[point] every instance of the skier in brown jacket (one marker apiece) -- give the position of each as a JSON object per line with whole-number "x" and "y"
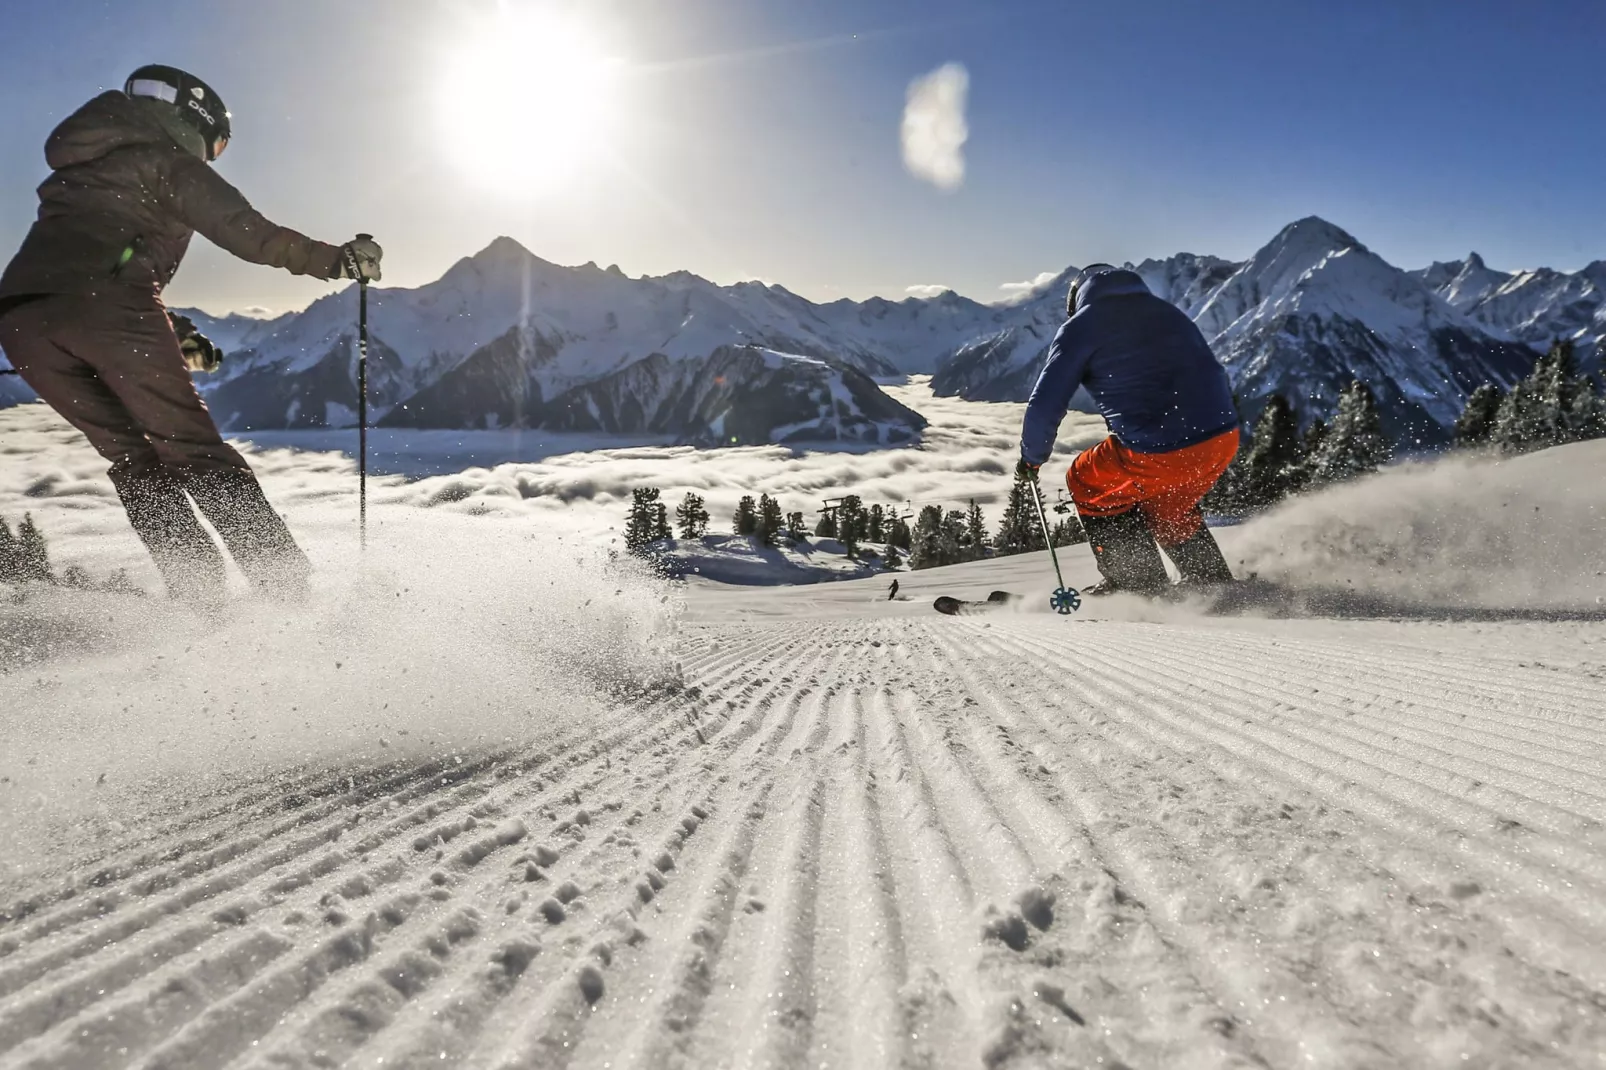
{"x": 82, "y": 321}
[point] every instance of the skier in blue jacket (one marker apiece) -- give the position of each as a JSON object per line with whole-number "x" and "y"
{"x": 1173, "y": 430}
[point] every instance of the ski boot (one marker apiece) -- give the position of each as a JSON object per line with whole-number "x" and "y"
{"x": 1199, "y": 561}
{"x": 1126, "y": 554}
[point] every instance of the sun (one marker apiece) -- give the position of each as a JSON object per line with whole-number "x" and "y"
{"x": 528, "y": 100}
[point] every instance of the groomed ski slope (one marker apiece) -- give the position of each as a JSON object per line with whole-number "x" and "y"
{"x": 850, "y": 840}
{"x": 495, "y": 799}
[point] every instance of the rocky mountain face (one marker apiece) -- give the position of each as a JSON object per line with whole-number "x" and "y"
{"x": 1306, "y": 314}
{"x": 1535, "y": 307}
{"x": 506, "y": 339}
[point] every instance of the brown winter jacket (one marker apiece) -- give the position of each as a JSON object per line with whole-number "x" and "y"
{"x": 121, "y": 182}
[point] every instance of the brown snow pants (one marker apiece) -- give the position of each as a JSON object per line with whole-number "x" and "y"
{"x": 111, "y": 365}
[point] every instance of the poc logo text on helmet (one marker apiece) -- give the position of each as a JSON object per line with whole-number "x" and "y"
{"x": 195, "y": 106}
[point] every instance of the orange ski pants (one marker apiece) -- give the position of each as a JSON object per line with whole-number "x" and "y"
{"x": 1110, "y": 479}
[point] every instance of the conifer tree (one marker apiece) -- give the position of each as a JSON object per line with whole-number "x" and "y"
{"x": 661, "y": 530}
{"x": 10, "y": 556}
{"x": 1475, "y": 425}
{"x": 1273, "y": 455}
{"x": 925, "y": 549}
{"x": 851, "y": 523}
{"x": 32, "y": 558}
{"x": 1354, "y": 444}
{"x": 641, "y": 527}
{"x": 795, "y": 526}
{"x": 1069, "y": 532}
{"x": 954, "y": 549}
{"x": 876, "y": 528}
{"x": 975, "y": 533}
{"x": 1020, "y": 530}
{"x": 770, "y": 521}
{"x": 1588, "y": 414}
{"x": 898, "y": 533}
{"x": 692, "y": 516}
{"x": 745, "y": 521}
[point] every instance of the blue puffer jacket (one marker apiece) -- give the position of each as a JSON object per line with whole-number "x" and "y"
{"x": 1146, "y": 365}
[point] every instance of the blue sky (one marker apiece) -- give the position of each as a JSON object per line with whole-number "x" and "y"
{"x": 759, "y": 138}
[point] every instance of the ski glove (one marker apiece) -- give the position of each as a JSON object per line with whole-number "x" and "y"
{"x": 359, "y": 259}
{"x": 200, "y": 354}
{"x": 1025, "y": 469}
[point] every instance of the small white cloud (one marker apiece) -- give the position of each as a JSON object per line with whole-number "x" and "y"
{"x": 257, "y": 312}
{"x": 1019, "y": 291}
{"x": 934, "y": 130}
{"x": 932, "y": 290}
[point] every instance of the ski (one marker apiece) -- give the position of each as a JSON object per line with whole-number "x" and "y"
{"x": 957, "y": 607}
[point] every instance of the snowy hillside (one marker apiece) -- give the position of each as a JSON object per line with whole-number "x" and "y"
{"x": 1306, "y": 314}
{"x": 495, "y": 798}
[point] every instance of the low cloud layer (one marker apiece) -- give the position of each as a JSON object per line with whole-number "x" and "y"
{"x": 929, "y": 290}
{"x": 934, "y": 129}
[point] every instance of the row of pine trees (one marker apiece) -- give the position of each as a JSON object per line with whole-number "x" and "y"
{"x": 939, "y": 537}
{"x": 1553, "y": 406}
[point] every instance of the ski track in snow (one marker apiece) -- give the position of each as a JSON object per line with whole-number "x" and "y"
{"x": 877, "y": 842}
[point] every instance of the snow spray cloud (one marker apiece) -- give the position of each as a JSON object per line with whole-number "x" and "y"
{"x": 934, "y": 130}
{"x": 454, "y": 636}
{"x": 1522, "y": 534}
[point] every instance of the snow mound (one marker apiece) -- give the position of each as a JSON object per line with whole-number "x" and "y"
{"x": 744, "y": 560}
{"x": 1464, "y": 531}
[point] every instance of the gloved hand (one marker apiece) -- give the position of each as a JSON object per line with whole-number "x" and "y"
{"x": 359, "y": 259}
{"x": 200, "y": 355}
{"x": 1024, "y": 469}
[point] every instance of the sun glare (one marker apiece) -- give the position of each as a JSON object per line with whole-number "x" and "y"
{"x": 528, "y": 101}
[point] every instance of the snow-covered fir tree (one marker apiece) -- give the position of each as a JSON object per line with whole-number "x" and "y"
{"x": 1354, "y": 443}
{"x": 691, "y": 516}
{"x": 10, "y": 557}
{"x": 33, "y": 559}
{"x": 1553, "y": 406}
{"x": 1273, "y": 456}
{"x": 1476, "y": 423}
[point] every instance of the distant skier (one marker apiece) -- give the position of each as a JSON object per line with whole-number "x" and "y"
{"x": 1173, "y": 430}
{"x": 892, "y": 592}
{"x": 82, "y": 321}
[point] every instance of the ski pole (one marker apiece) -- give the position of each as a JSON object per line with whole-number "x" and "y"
{"x": 1064, "y": 599}
{"x": 362, "y": 403}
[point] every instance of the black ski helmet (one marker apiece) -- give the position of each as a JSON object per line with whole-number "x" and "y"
{"x": 1081, "y": 280}
{"x": 196, "y": 101}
